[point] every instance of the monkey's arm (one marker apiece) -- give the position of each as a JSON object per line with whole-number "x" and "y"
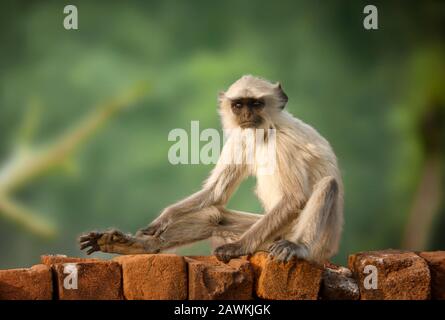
{"x": 271, "y": 223}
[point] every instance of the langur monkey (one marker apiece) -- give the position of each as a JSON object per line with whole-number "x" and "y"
{"x": 302, "y": 197}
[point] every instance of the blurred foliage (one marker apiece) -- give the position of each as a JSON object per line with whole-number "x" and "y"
{"x": 363, "y": 90}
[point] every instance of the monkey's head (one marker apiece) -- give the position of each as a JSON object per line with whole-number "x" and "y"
{"x": 251, "y": 102}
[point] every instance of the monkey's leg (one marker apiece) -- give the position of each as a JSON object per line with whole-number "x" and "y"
{"x": 234, "y": 224}
{"x": 185, "y": 229}
{"x": 211, "y": 222}
{"x": 191, "y": 227}
{"x": 309, "y": 239}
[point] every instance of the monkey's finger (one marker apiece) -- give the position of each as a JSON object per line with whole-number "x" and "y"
{"x": 276, "y": 246}
{"x": 93, "y": 249}
{"x": 84, "y": 245}
{"x": 225, "y": 258}
{"x": 290, "y": 257}
{"x": 86, "y": 239}
{"x": 283, "y": 255}
{"x": 274, "y": 249}
{"x": 220, "y": 255}
{"x": 87, "y": 244}
{"x": 83, "y": 238}
{"x": 272, "y": 256}
{"x": 88, "y": 236}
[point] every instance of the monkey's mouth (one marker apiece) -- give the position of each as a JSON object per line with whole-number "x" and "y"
{"x": 249, "y": 124}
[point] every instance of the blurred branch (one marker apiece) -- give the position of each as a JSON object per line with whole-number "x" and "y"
{"x": 428, "y": 197}
{"x": 27, "y": 163}
{"x": 25, "y": 218}
{"x": 30, "y": 122}
{"x": 426, "y": 205}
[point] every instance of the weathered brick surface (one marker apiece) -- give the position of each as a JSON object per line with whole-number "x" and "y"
{"x": 210, "y": 279}
{"x": 436, "y": 263}
{"x": 96, "y": 280}
{"x": 338, "y": 283}
{"x": 154, "y": 277}
{"x": 51, "y": 259}
{"x": 294, "y": 280}
{"x": 33, "y": 283}
{"x": 401, "y": 275}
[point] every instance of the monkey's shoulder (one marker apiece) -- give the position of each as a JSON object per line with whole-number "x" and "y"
{"x": 301, "y": 136}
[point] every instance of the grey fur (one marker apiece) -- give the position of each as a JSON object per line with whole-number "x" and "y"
{"x": 303, "y": 198}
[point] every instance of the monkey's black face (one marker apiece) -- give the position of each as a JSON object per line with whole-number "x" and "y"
{"x": 248, "y": 111}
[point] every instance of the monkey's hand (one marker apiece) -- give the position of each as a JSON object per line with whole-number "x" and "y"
{"x": 284, "y": 251}
{"x": 230, "y": 251}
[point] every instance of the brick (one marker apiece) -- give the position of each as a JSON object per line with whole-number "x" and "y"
{"x": 401, "y": 275}
{"x": 294, "y": 280}
{"x": 33, "y": 283}
{"x": 210, "y": 279}
{"x": 436, "y": 263}
{"x": 338, "y": 283}
{"x": 51, "y": 259}
{"x": 96, "y": 280}
{"x": 154, "y": 277}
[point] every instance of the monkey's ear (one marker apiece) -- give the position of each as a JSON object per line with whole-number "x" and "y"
{"x": 282, "y": 96}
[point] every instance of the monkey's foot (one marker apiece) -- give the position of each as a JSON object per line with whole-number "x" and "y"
{"x": 284, "y": 250}
{"x": 114, "y": 241}
{"x": 229, "y": 251}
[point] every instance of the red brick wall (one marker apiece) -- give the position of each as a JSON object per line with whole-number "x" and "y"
{"x": 388, "y": 274}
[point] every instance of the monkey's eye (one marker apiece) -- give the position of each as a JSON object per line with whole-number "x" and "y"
{"x": 238, "y": 105}
{"x": 257, "y": 103}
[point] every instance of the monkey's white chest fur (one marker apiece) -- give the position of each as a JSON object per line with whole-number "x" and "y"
{"x": 265, "y": 169}
{"x": 268, "y": 190}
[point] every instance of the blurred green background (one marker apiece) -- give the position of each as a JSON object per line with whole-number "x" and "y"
{"x": 377, "y": 96}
